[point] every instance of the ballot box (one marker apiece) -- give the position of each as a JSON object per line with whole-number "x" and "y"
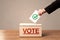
{"x": 30, "y": 30}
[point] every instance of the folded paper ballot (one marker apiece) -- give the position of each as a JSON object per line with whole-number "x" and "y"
{"x": 34, "y": 17}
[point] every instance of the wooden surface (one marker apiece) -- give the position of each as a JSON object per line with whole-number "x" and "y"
{"x": 14, "y": 35}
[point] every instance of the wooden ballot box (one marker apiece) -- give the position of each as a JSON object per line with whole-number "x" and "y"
{"x": 30, "y": 30}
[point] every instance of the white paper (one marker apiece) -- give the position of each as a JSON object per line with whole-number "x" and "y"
{"x": 34, "y": 17}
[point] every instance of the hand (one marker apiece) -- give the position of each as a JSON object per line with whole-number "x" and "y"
{"x": 41, "y": 11}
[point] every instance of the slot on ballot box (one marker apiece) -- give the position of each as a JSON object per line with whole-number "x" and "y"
{"x": 30, "y": 30}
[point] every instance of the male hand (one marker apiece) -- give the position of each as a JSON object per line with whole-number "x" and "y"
{"x": 41, "y": 11}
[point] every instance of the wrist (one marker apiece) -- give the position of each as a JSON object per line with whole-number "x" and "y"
{"x": 44, "y": 11}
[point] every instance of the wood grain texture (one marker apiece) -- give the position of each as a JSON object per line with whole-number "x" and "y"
{"x": 14, "y": 35}
{"x": 30, "y": 31}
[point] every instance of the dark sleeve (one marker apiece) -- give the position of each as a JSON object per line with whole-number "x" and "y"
{"x": 52, "y": 7}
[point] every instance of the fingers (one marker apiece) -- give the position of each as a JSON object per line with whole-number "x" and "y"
{"x": 41, "y": 12}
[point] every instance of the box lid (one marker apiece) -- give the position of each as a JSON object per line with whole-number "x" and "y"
{"x": 29, "y": 24}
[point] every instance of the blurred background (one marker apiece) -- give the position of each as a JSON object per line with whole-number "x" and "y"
{"x": 14, "y": 12}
